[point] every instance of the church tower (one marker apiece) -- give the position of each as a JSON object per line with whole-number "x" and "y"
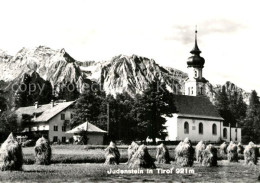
{"x": 195, "y": 84}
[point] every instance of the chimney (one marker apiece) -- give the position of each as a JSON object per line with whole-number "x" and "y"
{"x": 36, "y": 105}
{"x": 52, "y": 103}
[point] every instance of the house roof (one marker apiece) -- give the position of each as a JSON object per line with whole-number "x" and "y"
{"x": 87, "y": 126}
{"x": 196, "y": 107}
{"x": 47, "y": 111}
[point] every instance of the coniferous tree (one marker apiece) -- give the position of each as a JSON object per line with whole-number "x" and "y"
{"x": 251, "y": 124}
{"x": 8, "y": 124}
{"x": 150, "y": 108}
{"x": 32, "y": 89}
{"x": 69, "y": 92}
{"x": 88, "y": 107}
{"x": 223, "y": 105}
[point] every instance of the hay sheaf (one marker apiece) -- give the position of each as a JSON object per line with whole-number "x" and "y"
{"x": 112, "y": 154}
{"x": 142, "y": 159}
{"x": 223, "y": 149}
{"x": 200, "y": 147}
{"x": 240, "y": 148}
{"x": 184, "y": 153}
{"x": 162, "y": 154}
{"x": 131, "y": 150}
{"x": 11, "y": 156}
{"x": 251, "y": 154}
{"x": 42, "y": 151}
{"x": 210, "y": 156}
{"x": 232, "y": 152}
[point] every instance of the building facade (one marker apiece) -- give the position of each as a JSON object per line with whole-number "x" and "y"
{"x": 50, "y": 120}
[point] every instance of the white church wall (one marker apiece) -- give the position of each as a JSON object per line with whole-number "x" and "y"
{"x": 193, "y": 134}
{"x": 227, "y": 136}
{"x": 171, "y": 128}
{"x": 233, "y": 134}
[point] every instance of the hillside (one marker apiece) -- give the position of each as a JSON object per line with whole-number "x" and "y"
{"x": 122, "y": 73}
{"x": 55, "y": 66}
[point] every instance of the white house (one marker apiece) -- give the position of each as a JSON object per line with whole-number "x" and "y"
{"x": 51, "y": 120}
{"x": 196, "y": 117}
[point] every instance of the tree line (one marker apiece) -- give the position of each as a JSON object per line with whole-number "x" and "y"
{"x": 140, "y": 116}
{"x": 236, "y": 112}
{"x": 125, "y": 117}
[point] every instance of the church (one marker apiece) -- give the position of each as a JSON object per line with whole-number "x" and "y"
{"x": 196, "y": 117}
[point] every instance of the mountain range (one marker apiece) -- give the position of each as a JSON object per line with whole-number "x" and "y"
{"x": 131, "y": 74}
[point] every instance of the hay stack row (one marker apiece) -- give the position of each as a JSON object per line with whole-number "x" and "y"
{"x": 112, "y": 154}
{"x": 138, "y": 156}
{"x": 42, "y": 151}
{"x": 232, "y": 152}
{"x": 251, "y": 154}
{"x": 184, "y": 153}
{"x": 200, "y": 147}
{"x": 206, "y": 155}
{"x": 209, "y": 156}
{"x": 141, "y": 159}
{"x": 223, "y": 149}
{"x": 162, "y": 154}
{"x": 11, "y": 155}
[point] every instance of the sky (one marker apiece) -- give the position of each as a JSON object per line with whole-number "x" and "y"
{"x": 228, "y": 32}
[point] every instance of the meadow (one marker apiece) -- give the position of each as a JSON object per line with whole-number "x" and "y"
{"x": 85, "y": 163}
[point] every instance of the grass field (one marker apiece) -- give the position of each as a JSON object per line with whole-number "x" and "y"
{"x": 84, "y": 163}
{"x": 80, "y": 154}
{"x": 225, "y": 172}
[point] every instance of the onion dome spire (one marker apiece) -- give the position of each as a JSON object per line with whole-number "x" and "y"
{"x": 196, "y": 60}
{"x": 196, "y": 49}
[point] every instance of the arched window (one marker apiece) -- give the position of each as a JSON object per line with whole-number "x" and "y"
{"x": 186, "y": 127}
{"x": 201, "y": 90}
{"x": 214, "y": 129}
{"x": 200, "y": 128}
{"x": 224, "y": 133}
{"x": 196, "y": 74}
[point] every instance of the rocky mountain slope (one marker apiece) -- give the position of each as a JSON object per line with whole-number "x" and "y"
{"x": 231, "y": 88}
{"x": 130, "y": 74}
{"x": 56, "y": 66}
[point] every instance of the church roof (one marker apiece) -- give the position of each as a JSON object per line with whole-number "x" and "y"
{"x": 196, "y": 107}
